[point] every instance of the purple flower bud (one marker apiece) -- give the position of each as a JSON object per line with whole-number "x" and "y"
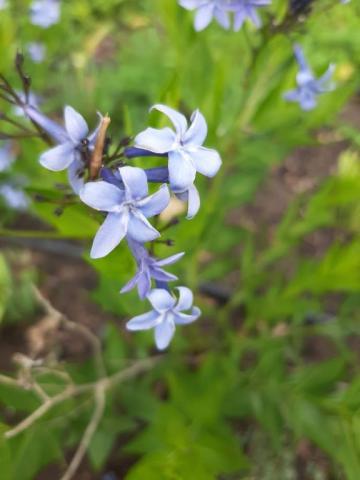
{"x": 148, "y": 268}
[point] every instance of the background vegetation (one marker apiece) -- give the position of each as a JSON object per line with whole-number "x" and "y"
{"x": 266, "y": 384}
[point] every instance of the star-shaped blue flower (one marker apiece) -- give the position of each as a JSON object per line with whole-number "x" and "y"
{"x": 183, "y": 147}
{"x": 128, "y": 209}
{"x": 148, "y": 268}
{"x": 308, "y": 86}
{"x": 166, "y": 314}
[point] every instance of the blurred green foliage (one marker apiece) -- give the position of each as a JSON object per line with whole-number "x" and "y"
{"x": 239, "y": 391}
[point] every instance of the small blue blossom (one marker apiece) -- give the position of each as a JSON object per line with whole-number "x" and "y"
{"x": 308, "y": 87}
{"x": 73, "y": 139}
{"x": 166, "y": 314}
{"x": 7, "y": 157}
{"x": 14, "y": 197}
{"x": 148, "y": 268}
{"x": 36, "y": 51}
{"x": 45, "y": 13}
{"x": 183, "y": 147}
{"x": 128, "y": 209}
{"x": 206, "y": 10}
{"x": 247, "y": 9}
{"x": 3, "y": 4}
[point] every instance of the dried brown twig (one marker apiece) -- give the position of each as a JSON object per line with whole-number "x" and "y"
{"x": 98, "y": 388}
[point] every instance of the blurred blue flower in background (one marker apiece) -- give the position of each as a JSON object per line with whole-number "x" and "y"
{"x": 184, "y": 148}
{"x": 31, "y": 99}
{"x": 308, "y": 86}
{"x": 148, "y": 268}
{"x": 206, "y": 11}
{"x": 36, "y": 51}
{"x": 45, "y": 13}
{"x": 128, "y": 209}
{"x": 3, "y": 4}
{"x": 7, "y": 156}
{"x": 247, "y": 10}
{"x": 166, "y": 314}
{"x": 14, "y": 197}
{"x": 73, "y": 139}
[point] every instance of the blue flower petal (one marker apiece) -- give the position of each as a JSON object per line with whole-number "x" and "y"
{"x": 193, "y": 202}
{"x": 161, "y": 300}
{"x": 197, "y": 131}
{"x": 109, "y": 235}
{"x": 102, "y": 196}
{"x": 144, "y": 322}
{"x": 58, "y": 158}
{"x": 135, "y": 182}
{"x": 184, "y": 319}
{"x": 76, "y": 174}
{"x": 178, "y": 119}
{"x": 182, "y": 171}
{"x": 75, "y": 125}
{"x": 169, "y": 260}
{"x": 206, "y": 160}
{"x": 155, "y": 140}
{"x": 139, "y": 228}
{"x": 164, "y": 333}
{"x": 203, "y": 17}
{"x": 156, "y": 203}
{"x": 186, "y": 299}
{"x": 222, "y": 18}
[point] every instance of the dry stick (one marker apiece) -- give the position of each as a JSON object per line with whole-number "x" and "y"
{"x": 11, "y": 382}
{"x": 76, "y": 390}
{"x": 72, "y": 326}
{"x": 88, "y": 434}
{"x": 96, "y": 158}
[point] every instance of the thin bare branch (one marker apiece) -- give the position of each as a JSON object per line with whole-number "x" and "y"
{"x": 72, "y": 326}
{"x": 100, "y": 402}
{"x": 76, "y": 390}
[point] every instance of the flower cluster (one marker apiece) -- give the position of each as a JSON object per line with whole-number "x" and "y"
{"x": 121, "y": 193}
{"x": 308, "y": 86}
{"x": 221, "y": 11}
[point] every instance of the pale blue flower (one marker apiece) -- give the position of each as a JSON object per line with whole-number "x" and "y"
{"x": 14, "y": 197}
{"x": 36, "y": 51}
{"x": 166, "y": 314}
{"x": 308, "y": 86}
{"x": 183, "y": 146}
{"x": 3, "y": 4}
{"x": 7, "y": 156}
{"x": 128, "y": 209}
{"x": 148, "y": 268}
{"x": 45, "y": 13}
{"x": 73, "y": 139}
{"x": 206, "y": 10}
{"x": 247, "y": 10}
